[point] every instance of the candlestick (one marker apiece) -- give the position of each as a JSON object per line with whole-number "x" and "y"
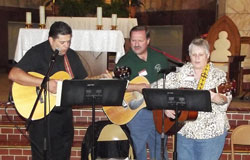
{"x": 113, "y": 27}
{"x": 28, "y": 23}
{"x": 99, "y": 27}
{"x": 28, "y": 17}
{"x": 42, "y": 14}
{"x": 42, "y": 26}
{"x": 99, "y": 15}
{"x": 114, "y": 20}
{"x": 129, "y": 8}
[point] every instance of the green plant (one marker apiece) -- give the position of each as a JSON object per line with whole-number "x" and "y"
{"x": 119, "y": 7}
{"x": 91, "y": 5}
{"x": 71, "y": 8}
{"x": 82, "y": 8}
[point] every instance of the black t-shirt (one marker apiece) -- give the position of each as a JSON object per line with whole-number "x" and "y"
{"x": 38, "y": 58}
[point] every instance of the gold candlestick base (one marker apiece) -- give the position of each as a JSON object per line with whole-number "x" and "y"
{"x": 99, "y": 27}
{"x": 41, "y": 26}
{"x": 113, "y": 27}
{"x": 28, "y": 25}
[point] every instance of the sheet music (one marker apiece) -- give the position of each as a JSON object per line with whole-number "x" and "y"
{"x": 59, "y": 93}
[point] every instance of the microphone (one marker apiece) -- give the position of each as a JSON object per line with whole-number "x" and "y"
{"x": 167, "y": 70}
{"x": 55, "y": 53}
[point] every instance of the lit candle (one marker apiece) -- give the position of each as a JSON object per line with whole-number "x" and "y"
{"x": 28, "y": 17}
{"x": 99, "y": 15}
{"x": 42, "y": 14}
{"x": 114, "y": 20}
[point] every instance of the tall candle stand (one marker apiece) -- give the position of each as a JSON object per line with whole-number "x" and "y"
{"x": 129, "y": 9}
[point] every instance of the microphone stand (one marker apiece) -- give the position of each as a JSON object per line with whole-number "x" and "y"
{"x": 43, "y": 89}
{"x": 164, "y": 72}
{"x": 162, "y": 127}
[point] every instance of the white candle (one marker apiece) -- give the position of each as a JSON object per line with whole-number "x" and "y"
{"x": 99, "y": 15}
{"x": 28, "y": 17}
{"x": 114, "y": 20}
{"x": 42, "y": 14}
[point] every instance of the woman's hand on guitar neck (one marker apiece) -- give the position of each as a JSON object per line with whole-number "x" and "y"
{"x": 170, "y": 113}
{"x": 218, "y": 98}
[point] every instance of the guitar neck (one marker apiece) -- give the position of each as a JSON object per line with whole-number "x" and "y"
{"x": 214, "y": 90}
{"x": 93, "y": 77}
{"x": 98, "y": 76}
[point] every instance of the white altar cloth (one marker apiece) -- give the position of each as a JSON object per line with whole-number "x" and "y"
{"x": 89, "y": 23}
{"x": 97, "y": 41}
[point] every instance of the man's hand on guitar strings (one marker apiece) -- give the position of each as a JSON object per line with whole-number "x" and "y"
{"x": 107, "y": 74}
{"x": 52, "y": 86}
{"x": 137, "y": 87}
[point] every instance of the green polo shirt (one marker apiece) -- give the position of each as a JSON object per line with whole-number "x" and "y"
{"x": 149, "y": 69}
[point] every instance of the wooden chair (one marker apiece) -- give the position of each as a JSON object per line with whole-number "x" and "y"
{"x": 225, "y": 24}
{"x": 240, "y": 136}
{"x": 225, "y": 45}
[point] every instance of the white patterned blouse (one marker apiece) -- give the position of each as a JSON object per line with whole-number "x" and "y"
{"x": 208, "y": 124}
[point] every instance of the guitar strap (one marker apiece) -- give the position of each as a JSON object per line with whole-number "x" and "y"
{"x": 67, "y": 66}
{"x": 203, "y": 78}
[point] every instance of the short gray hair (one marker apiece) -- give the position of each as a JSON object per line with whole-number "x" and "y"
{"x": 199, "y": 42}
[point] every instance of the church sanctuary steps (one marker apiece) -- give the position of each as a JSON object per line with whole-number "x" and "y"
{"x": 14, "y": 146}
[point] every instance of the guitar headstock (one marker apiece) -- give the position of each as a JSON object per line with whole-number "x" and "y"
{"x": 122, "y": 72}
{"x": 227, "y": 87}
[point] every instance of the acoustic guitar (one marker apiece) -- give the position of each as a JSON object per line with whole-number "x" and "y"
{"x": 133, "y": 102}
{"x": 169, "y": 123}
{"x": 24, "y": 97}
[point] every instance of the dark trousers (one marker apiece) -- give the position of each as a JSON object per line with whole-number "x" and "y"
{"x": 59, "y": 136}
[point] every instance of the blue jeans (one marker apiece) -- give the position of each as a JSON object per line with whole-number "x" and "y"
{"x": 142, "y": 131}
{"x": 200, "y": 149}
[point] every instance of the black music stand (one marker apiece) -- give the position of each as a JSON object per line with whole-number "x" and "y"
{"x": 178, "y": 100}
{"x": 93, "y": 92}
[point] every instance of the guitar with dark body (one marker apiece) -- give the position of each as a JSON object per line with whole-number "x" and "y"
{"x": 169, "y": 123}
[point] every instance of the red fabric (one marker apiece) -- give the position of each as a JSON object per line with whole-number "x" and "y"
{"x": 167, "y": 55}
{"x": 67, "y": 66}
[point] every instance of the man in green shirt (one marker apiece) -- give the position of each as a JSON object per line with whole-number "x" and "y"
{"x": 143, "y": 61}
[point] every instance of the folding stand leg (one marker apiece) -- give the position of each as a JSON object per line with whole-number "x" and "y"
{"x": 93, "y": 130}
{"x": 175, "y": 135}
{"x": 162, "y": 136}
